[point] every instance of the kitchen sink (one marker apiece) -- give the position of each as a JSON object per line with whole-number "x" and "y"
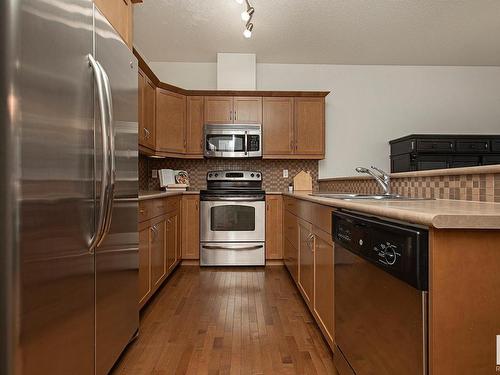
{"x": 367, "y": 196}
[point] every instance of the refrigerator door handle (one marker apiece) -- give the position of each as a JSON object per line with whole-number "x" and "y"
{"x": 101, "y": 98}
{"x": 111, "y": 153}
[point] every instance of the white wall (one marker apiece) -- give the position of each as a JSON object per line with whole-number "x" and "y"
{"x": 369, "y": 105}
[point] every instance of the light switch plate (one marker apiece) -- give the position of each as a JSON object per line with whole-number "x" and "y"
{"x": 285, "y": 173}
{"x": 154, "y": 173}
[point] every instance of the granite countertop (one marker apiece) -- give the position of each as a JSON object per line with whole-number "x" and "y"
{"x": 440, "y": 213}
{"x": 152, "y": 194}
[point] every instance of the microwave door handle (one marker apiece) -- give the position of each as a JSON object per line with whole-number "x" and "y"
{"x": 101, "y": 99}
{"x": 246, "y": 143}
{"x": 111, "y": 152}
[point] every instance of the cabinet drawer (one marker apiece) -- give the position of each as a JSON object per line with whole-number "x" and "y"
{"x": 491, "y": 159}
{"x": 291, "y": 229}
{"x": 157, "y": 207}
{"x": 290, "y": 204}
{"x": 144, "y": 210}
{"x": 172, "y": 204}
{"x": 473, "y": 146}
{"x": 437, "y": 145}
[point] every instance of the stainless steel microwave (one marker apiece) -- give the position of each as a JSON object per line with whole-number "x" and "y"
{"x": 232, "y": 140}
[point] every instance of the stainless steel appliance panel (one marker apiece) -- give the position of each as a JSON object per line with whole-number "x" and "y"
{"x": 55, "y": 139}
{"x": 117, "y": 314}
{"x": 232, "y": 254}
{"x": 232, "y": 140}
{"x": 380, "y": 321}
{"x": 238, "y": 220}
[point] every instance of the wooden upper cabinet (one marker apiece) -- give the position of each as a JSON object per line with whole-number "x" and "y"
{"x": 147, "y": 111}
{"x": 247, "y": 110}
{"x": 229, "y": 110}
{"x": 190, "y": 226}
{"x": 274, "y": 227}
{"x": 309, "y": 126}
{"x": 277, "y": 126}
{"x": 218, "y": 109}
{"x": 170, "y": 122}
{"x": 194, "y": 126}
{"x": 120, "y": 15}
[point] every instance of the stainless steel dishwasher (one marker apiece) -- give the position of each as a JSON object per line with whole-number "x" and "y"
{"x": 381, "y": 314}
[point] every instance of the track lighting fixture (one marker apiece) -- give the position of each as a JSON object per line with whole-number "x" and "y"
{"x": 247, "y": 17}
{"x": 248, "y": 31}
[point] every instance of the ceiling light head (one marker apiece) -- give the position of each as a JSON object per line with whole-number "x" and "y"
{"x": 248, "y": 31}
{"x": 247, "y": 14}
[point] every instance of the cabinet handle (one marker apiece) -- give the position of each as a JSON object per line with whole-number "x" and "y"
{"x": 235, "y": 116}
{"x": 291, "y": 145}
{"x": 231, "y": 115}
{"x": 141, "y": 211}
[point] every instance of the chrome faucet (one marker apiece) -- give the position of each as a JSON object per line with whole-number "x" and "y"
{"x": 383, "y": 178}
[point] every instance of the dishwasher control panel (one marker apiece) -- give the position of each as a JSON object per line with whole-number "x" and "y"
{"x": 399, "y": 249}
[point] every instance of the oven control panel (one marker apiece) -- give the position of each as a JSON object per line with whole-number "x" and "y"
{"x": 234, "y": 176}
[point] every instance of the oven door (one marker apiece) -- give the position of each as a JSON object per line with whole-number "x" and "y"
{"x": 380, "y": 321}
{"x": 232, "y": 221}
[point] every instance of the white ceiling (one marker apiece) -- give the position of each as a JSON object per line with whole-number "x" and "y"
{"x": 400, "y": 32}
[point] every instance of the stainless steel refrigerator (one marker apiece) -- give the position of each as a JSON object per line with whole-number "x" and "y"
{"x": 69, "y": 185}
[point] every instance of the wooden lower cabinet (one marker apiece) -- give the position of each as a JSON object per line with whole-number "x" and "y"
{"x": 308, "y": 256}
{"x": 144, "y": 262}
{"x": 306, "y": 261}
{"x": 323, "y": 282}
{"x": 190, "y": 243}
{"x": 291, "y": 259}
{"x": 274, "y": 227}
{"x": 159, "y": 243}
{"x": 158, "y": 255}
{"x": 173, "y": 244}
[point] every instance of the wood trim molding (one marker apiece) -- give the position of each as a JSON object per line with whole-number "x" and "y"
{"x": 179, "y": 90}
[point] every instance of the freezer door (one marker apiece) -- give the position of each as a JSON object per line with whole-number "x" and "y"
{"x": 55, "y": 143}
{"x": 117, "y": 308}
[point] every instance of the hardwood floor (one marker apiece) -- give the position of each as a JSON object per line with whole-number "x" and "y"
{"x": 227, "y": 321}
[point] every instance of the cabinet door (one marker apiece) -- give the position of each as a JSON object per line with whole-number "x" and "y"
{"x": 119, "y": 15}
{"x": 323, "y": 281}
{"x": 306, "y": 261}
{"x": 190, "y": 227}
{"x": 149, "y": 113}
{"x": 158, "y": 271}
{"x": 194, "y": 126}
{"x": 291, "y": 259}
{"x": 170, "y": 122}
{"x": 144, "y": 263}
{"x": 309, "y": 126}
{"x": 277, "y": 126}
{"x": 172, "y": 239}
{"x": 274, "y": 227}
{"x": 247, "y": 110}
{"x": 218, "y": 109}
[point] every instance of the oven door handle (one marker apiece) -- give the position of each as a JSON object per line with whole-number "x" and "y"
{"x": 234, "y": 199}
{"x": 232, "y": 248}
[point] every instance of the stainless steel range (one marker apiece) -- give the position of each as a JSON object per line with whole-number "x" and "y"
{"x": 232, "y": 219}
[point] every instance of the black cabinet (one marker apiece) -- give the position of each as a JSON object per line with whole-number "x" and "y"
{"x": 419, "y": 152}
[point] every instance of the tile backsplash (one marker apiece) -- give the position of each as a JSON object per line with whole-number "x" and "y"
{"x": 272, "y": 170}
{"x": 470, "y": 187}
